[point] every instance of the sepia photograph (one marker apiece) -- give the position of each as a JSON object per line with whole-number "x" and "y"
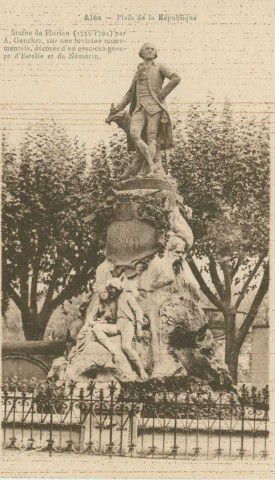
{"x": 136, "y": 179}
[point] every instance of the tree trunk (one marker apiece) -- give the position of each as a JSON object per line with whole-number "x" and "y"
{"x": 233, "y": 366}
{"x": 34, "y": 324}
{"x": 30, "y": 325}
{"x": 44, "y": 317}
{"x": 231, "y": 353}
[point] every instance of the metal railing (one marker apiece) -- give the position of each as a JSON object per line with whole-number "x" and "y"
{"x": 100, "y": 419}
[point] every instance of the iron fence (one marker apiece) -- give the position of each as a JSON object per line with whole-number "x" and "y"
{"x": 108, "y": 420}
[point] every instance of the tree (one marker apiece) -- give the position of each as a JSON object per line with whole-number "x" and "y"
{"x": 222, "y": 168}
{"x": 49, "y": 252}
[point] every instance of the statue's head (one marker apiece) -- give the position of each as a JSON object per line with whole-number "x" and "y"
{"x": 140, "y": 267}
{"x": 176, "y": 247}
{"x": 148, "y": 51}
{"x": 177, "y": 250}
{"x": 103, "y": 292}
{"x": 114, "y": 288}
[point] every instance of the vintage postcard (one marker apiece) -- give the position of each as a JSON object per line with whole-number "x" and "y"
{"x": 136, "y": 193}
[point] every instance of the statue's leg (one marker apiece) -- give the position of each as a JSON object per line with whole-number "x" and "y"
{"x": 157, "y": 161}
{"x": 153, "y": 122}
{"x": 137, "y": 125}
{"x": 104, "y": 330}
{"x": 127, "y": 331}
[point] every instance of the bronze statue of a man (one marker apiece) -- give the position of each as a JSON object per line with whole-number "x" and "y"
{"x": 149, "y": 116}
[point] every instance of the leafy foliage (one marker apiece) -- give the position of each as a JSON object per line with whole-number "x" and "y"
{"x": 222, "y": 168}
{"x": 50, "y": 187}
{"x": 48, "y": 250}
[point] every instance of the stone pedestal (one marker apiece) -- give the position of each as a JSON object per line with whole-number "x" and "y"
{"x": 147, "y": 240}
{"x": 147, "y": 184}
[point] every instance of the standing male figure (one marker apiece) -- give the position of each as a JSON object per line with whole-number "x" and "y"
{"x": 148, "y": 108}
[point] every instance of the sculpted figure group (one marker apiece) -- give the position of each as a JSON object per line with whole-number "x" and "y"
{"x": 115, "y": 312}
{"x": 180, "y": 341}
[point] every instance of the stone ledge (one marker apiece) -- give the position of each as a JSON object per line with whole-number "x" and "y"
{"x": 145, "y": 183}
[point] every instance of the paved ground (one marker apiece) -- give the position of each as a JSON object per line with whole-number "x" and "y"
{"x": 26, "y": 464}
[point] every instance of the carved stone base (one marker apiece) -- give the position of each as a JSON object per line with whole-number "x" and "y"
{"x": 147, "y": 241}
{"x": 95, "y": 362}
{"x": 146, "y": 183}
